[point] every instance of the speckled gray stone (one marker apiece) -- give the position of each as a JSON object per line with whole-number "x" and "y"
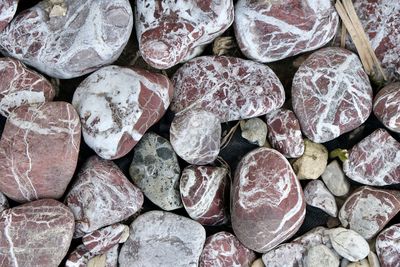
{"x": 155, "y": 170}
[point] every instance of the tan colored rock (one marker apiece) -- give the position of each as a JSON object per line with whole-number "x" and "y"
{"x": 258, "y": 263}
{"x": 373, "y": 260}
{"x": 312, "y": 163}
{"x": 362, "y": 263}
{"x": 254, "y": 130}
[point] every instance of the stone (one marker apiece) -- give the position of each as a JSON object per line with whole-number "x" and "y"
{"x": 373, "y": 260}
{"x": 224, "y": 249}
{"x": 3, "y": 202}
{"x": 117, "y": 105}
{"x": 258, "y": 263}
{"x": 315, "y": 237}
{"x": 101, "y": 195}
{"x": 195, "y": 136}
{"x": 386, "y": 106}
{"x": 388, "y": 246}
{"x": 312, "y": 164}
{"x": 368, "y": 210}
{"x": 37, "y": 233}
{"x": 375, "y": 160}
{"x": 321, "y": 256}
{"x": 349, "y": 244}
{"x": 92, "y": 34}
{"x": 171, "y": 32}
{"x": 79, "y": 257}
{"x": 333, "y": 94}
{"x": 204, "y": 194}
{"x": 267, "y": 201}
{"x": 109, "y": 259}
{"x": 254, "y": 130}
{"x": 284, "y": 133}
{"x": 288, "y": 255}
{"x": 231, "y": 88}
{"x": 361, "y": 263}
{"x": 155, "y": 170}
{"x": 7, "y": 12}
{"x": 335, "y": 180}
{"x": 39, "y": 151}
{"x": 159, "y": 238}
{"x": 317, "y": 195}
{"x": 268, "y": 31}
{"x": 20, "y": 86}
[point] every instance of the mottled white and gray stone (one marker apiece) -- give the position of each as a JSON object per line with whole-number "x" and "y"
{"x": 317, "y": 195}
{"x": 335, "y": 180}
{"x": 349, "y": 244}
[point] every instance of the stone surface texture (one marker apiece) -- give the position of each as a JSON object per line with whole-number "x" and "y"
{"x": 39, "y": 151}
{"x": 155, "y": 170}
{"x": 335, "y": 180}
{"x": 171, "y": 32}
{"x": 63, "y": 46}
{"x": 317, "y": 195}
{"x": 268, "y": 205}
{"x": 101, "y": 195}
{"x": 388, "y": 246}
{"x": 254, "y": 130}
{"x": 349, "y": 244}
{"x": 386, "y": 106}
{"x": 159, "y": 238}
{"x": 117, "y": 105}
{"x": 268, "y": 31}
{"x": 7, "y": 12}
{"x": 331, "y": 94}
{"x": 321, "y": 255}
{"x": 288, "y": 254}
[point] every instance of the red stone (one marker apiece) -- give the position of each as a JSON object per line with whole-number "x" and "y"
{"x": 331, "y": 94}
{"x": 170, "y": 32}
{"x": 231, "y": 88}
{"x": 268, "y": 205}
{"x": 387, "y": 106}
{"x": 39, "y": 151}
{"x": 38, "y": 233}
{"x": 79, "y": 257}
{"x": 224, "y": 250}
{"x": 388, "y": 246}
{"x": 7, "y": 12}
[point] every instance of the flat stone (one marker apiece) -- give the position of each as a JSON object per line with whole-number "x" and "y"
{"x": 317, "y": 195}
{"x": 7, "y": 12}
{"x": 159, "y": 238}
{"x": 155, "y": 170}
{"x": 254, "y": 130}
{"x": 386, "y": 106}
{"x": 349, "y": 244}
{"x": 388, "y": 246}
{"x": 321, "y": 256}
{"x": 335, "y": 180}
{"x": 3, "y": 202}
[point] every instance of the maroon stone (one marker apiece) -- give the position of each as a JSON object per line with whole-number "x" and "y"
{"x": 231, "y": 88}
{"x": 268, "y": 31}
{"x": 79, "y": 257}
{"x": 117, "y": 105}
{"x": 7, "y": 12}
{"x": 388, "y": 246}
{"x": 368, "y": 210}
{"x": 375, "y": 160}
{"x": 170, "y": 32}
{"x": 331, "y": 94}
{"x": 387, "y": 106}
{"x": 268, "y": 205}
{"x": 39, "y": 151}
{"x": 203, "y": 190}
{"x": 38, "y": 233}
{"x": 224, "y": 250}
{"x": 284, "y": 133}
{"x": 20, "y": 85}
{"x": 84, "y": 36}
{"x": 101, "y": 196}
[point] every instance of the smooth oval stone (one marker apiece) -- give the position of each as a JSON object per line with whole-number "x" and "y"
{"x": 268, "y": 31}
{"x": 268, "y": 205}
{"x": 335, "y": 180}
{"x": 231, "y": 88}
{"x": 20, "y": 86}
{"x": 203, "y": 192}
{"x": 368, "y": 210}
{"x": 7, "y": 12}
{"x": 101, "y": 195}
{"x": 317, "y": 195}
{"x": 159, "y": 238}
{"x": 331, "y": 94}
{"x": 38, "y": 233}
{"x": 224, "y": 249}
{"x": 387, "y": 108}
{"x": 155, "y": 170}
{"x": 86, "y": 35}
{"x": 117, "y": 105}
{"x": 388, "y": 246}
{"x": 349, "y": 244}
{"x": 39, "y": 151}
{"x": 321, "y": 256}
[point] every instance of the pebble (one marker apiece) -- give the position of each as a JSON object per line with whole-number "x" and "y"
{"x": 317, "y": 195}
{"x": 387, "y": 108}
{"x": 3, "y": 202}
{"x": 7, "y": 12}
{"x": 254, "y": 130}
{"x": 321, "y": 256}
{"x": 335, "y": 180}
{"x": 288, "y": 255}
{"x": 388, "y": 246}
{"x": 373, "y": 260}
{"x": 349, "y": 244}
{"x": 109, "y": 259}
{"x": 258, "y": 263}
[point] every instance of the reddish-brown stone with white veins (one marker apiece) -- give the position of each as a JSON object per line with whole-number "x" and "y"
{"x": 284, "y": 133}
{"x": 388, "y": 246}
{"x": 101, "y": 196}
{"x": 331, "y": 94}
{"x": 268, "y": 31}
{"x": 91, "y": 34}
{"x": 39, "y": 151}
{"x": 170, "y": 32}
{"x": 100, "y": 241}
{"x": 375, "y": 160}
{"x": 268, "y": 205}
{"x": 7, "y": 12}
{"x": 387, "y": 106}
{"x": 368, "y": 210}
{"x": 79, "y": 257}
{"x": 231, "y": 88}
{"x": 203, "y": 190}
{"x": 20, "y": 85}
{"x": 117, "y": 105}
{"x": 223, "y": 249}
{"x": 38, "y": 233}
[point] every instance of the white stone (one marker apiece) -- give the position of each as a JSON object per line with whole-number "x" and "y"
{"x": 321, "y": 256}
{"x": 362, "y": 263}
{"x": 373, "y": 260}
{"x": 317, "y": 195}
{"x": 335, "y": 179}
{"x": 254, "y": 130}
{"x": 349, "y": 244}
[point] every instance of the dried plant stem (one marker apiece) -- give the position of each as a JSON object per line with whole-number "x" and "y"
{"x": 228, "y": 137}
